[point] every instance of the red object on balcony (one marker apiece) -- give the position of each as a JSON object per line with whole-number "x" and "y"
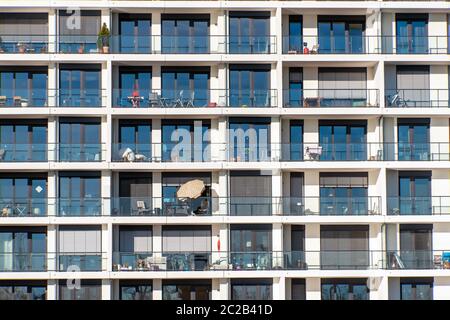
{"x": 212, "y": 104}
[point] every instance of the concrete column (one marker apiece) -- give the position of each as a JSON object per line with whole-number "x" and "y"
{"x": 52, "y": 241}
{"x": 441, "y": 288}
{"x": 156, "y": 31}
{"x": 157, "y": 240}
{"x": 106, "y": 142}
{"x": 313, "y": 291}
{"x": 279, "y": 288}
{"x": 52, "y": 30}
{"x": 52, "y": 289}
{"x": 439, "y": 86}
{"x": 107, "y": 82}
{"x": 437, "y": 29}
{"x": 312, "y": 245}
{"x": 222, "y": 192}
{"x": 277, "y": 245}
{"x": 156, "y": 78}
{"x": 275, "y": 139}
{"x": 52, "y": 84}
{"x": 156, "y": 140}
{"x": 52, "y": 194}
{"x": 312, "y": 191}
{"x": 310, "y": 30}
{"x": 106, "y": 181}
{"x": 277, "y": 192}
{"x": 106, "y": 289}
{"x": 107, "y": 247}
{"x": 157, "y": 289}
{"x": 157, "y": 190}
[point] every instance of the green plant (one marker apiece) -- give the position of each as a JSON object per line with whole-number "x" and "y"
{"x": 103, "y": 36}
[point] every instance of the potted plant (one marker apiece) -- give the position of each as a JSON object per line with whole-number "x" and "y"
{"x": 103, "y": 39}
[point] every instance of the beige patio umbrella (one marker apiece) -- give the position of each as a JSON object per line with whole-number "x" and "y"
{"x": 191, "y": 189}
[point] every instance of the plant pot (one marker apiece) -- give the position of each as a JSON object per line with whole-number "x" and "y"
{"x": 105, "y": 49}
{"x": 21, "y": 50}
{"x": 80, "y": 50}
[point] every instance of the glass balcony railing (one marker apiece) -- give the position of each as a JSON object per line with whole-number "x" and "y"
{"x": 332, "y": 206}
{"x": 251, "y": 206}
{"x": 76, "y": 152}
{"x": 23, "y": 207}
{"x": 364, "y": 44}
{"x": 352, "y": 259}
{"x": 331, "y": 98}
{"x": 252, "y": 260}
{"x": 78, "y": 207}
{"x": 132, "y": 261}
{"x": 264, "y": 44}
{"x": 417, "y": 259}
{"x": 81, "y": 261}
{"x": 196, "y": 98}
{"x": 18, "y": 152}
{"x": 354, "y": 151}
{"x": 417, "y": 98}
{"x": 76, "y": 98}
{"x": 79, "y": 44}
{"x": 415, "y": 44}
{"x": 416, "y": 151}
{"x": 420, "y": 205}
{"x": 187, "y": 261}
{"x": 167, "y": 152}
{"x": 350, "y": 44}
{"x": 23, "y": 98}
{"x": 134, "y": 44}
{"x": 17, "y": 43}
{"x": 23, "y": 261}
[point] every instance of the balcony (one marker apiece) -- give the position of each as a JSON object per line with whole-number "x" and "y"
{"x": 197, "y": 98}
{"x": 415, "y": 44}
{"x": 357, "y": 44}
{"x": 78, "y": 44}
{"x": 168, "y": 207}
{"x": 417, "y": 98}
{"x": 24, "y": 43}
{"x": 417, "y": 259}
{"x": 76, "y": 98}
{"x": 79, "y": 207}
{"x": 23, "y": 262}
{"x": 252, "y": 260}
{"x": 23, "y": 98}
{"x": 251, "y": 44}
{"x": 332, "y": 206}
{"x": 132, "y": 261}
{"x": 18, "y": 152}
{"x": 369, "y": 151}
{"x": 331, "y": 98}
{"x": 85, "y": 261}
{"x": 416, "y": 151}
{"x": 23, "y": 207}
{"x": 421, "y": 205}
{"x": 165, "y": 152}
{"x": 80, "y": 152}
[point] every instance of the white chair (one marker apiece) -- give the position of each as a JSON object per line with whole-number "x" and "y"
{"x": 313, "y": 153}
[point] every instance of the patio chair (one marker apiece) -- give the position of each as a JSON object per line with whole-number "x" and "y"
{"x": 154, "y": 100}
{"x": 315, "y": 49}
{"x": 178, "y": 103}
{"x": 313, "y": 153}
{"x": 17, "y": 101}
{"x": 2, "y": 101}
{"x": 142, "y": 209}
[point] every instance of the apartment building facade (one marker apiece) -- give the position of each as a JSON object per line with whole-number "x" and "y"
{"x": 314, "y": 137}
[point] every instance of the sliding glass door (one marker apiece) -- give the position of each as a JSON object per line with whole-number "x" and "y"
{"x": 135, "y": 33}
{"x": 341, "y": 34}
{"x": 23, "y": 87}
{"x": 412, "y": 33}
{"x": 79, "y": 140}
{"x": 249, "y": 32}
{"x": 185, "y": 33}
{"x": 79, "y": 195}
